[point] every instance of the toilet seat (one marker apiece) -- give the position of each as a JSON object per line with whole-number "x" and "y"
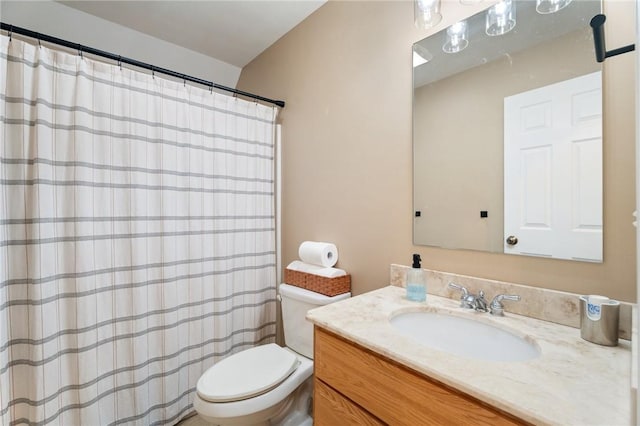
{"x": 247, "y": 374}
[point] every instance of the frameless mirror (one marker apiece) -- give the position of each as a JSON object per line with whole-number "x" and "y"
{"x": 507, "y": 133}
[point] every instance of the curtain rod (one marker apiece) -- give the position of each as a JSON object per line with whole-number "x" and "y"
{"x": 121, "y": 59}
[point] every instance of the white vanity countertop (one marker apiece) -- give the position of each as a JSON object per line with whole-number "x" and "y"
{"x": 573, "y": 382}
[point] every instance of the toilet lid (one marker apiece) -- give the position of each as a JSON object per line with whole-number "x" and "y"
{"x": 246, "y": 374}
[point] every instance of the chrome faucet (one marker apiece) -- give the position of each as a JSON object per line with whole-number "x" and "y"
{"x": 471, "y": 301}
{"x": 496, "y": 307}
{"x": 480, "y": 303}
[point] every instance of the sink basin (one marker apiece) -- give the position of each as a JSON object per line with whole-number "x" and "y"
{"x": 465, "y": 337}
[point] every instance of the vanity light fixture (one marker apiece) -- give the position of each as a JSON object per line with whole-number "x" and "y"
{"x": 456, "y": 37}
{"x": 426, "y": 13}
{"x": 501, "y": 18}
{"x": 551, "y": 6}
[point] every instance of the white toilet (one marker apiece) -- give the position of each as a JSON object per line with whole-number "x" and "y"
{"x": 268, "y": 384}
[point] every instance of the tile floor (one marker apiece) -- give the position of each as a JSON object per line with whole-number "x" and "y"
{"x": 194, "y": 420}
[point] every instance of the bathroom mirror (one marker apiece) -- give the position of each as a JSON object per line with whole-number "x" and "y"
{"x": 507, "y": 135}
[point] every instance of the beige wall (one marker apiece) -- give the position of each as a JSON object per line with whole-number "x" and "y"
{"x": 458, "y": 134}
{"x": 345, "y": 73}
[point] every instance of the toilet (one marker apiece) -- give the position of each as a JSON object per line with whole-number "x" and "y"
{"x": 267, "y": 384}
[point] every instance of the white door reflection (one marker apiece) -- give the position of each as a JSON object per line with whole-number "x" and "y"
{"x": 553, "y": 170}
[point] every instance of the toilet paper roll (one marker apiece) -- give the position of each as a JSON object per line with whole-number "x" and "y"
{"x": 318, "y": 253}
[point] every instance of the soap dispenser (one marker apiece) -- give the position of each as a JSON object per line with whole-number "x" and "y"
{"x": 416, "y": 287}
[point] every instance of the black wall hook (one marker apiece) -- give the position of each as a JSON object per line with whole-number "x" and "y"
{"x": 597, "y": 24}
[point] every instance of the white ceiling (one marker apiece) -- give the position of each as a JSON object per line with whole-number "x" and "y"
{"x": 234, "y": 31}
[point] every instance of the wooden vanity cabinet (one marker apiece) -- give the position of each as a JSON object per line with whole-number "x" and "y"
{"x": 355, "y": 386}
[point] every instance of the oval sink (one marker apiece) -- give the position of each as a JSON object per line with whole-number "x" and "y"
{"x": 465, "y": 337}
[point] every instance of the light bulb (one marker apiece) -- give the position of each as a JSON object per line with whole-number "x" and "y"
{"x": 426, "y": 13}
{"x": 551, "y": 6}
{"x": 501, "y": 18}
{"x": 456, "y": 37}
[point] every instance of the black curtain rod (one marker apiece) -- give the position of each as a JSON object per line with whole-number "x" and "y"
{"x": 120, "y": 59}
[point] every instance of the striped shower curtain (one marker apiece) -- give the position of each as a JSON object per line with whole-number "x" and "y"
{"x": 137, "y": 238}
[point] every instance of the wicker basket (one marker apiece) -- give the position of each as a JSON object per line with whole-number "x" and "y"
{"x": 322, "y": 285}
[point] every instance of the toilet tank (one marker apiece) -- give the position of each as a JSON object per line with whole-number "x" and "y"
{"x": 296, "y": 301}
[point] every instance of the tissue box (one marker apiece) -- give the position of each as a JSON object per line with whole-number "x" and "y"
{"x": 322, "y": 285}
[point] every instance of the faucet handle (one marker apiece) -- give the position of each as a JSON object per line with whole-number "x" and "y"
{"x": 464, "y": 290}
{"x": 464, "y": 294}
{"x": 496, "y": 306}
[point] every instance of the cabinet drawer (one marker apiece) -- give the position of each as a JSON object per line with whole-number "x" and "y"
{"x": 331, "y": 409}
{"x": 393, "y": 393}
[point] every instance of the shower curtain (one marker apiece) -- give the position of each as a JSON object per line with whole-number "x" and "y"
{"x": 137, "y": 238}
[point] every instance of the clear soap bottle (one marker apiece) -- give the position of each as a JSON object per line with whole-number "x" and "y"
{"x": 416, "y": 286}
